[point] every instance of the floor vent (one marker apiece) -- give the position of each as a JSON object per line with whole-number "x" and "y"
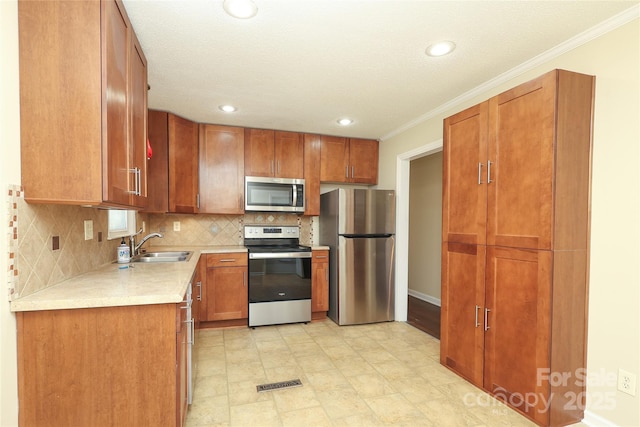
{"x": 278, "y": 386}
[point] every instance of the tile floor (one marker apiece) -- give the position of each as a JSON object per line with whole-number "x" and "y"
{"x": 365, "y": 375}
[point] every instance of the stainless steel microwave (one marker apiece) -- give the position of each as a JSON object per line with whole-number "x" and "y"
{"x": 264, "y": 194}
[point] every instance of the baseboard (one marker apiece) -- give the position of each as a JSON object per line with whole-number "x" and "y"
{"x": 424, "y": 297}
{"x": 594, "y": 420}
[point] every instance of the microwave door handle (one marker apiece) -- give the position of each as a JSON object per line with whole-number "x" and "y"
{"x": 295, "y": 195}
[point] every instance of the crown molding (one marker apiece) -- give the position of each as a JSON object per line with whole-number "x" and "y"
{"x": 586, "y": 36}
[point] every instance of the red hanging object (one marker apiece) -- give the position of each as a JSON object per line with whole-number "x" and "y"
{"x": 149, "y": 150}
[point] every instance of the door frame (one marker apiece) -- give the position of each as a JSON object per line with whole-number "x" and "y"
{"x": 403, "y": 168}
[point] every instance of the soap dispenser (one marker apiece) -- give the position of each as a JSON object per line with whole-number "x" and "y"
{"x": 124, "y": 253}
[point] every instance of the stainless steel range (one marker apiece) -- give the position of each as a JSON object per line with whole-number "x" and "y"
{"x": 279, "y": 275}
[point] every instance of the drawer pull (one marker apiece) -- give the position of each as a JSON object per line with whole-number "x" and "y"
{"x": 228, "y": 260}
{"x": 321, "y": 256}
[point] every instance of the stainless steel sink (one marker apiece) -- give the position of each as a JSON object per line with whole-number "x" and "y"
{"x": 167, "y": 256}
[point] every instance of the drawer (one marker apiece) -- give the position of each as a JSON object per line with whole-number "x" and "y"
{"x": 320, "y": 256}
{"x": 236, "y": 259}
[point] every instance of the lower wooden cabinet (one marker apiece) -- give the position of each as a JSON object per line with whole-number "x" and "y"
{"x": 320, "y": 283}
{"x": 226, "y": 293}
{"x": 108, "y": 366}
{"x": 513, "y": 319}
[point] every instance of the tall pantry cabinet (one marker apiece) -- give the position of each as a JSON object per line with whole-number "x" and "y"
{"x": 516, "y": 203}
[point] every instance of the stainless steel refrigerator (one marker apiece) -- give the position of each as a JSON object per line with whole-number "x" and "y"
{"x": 358, "y": 225}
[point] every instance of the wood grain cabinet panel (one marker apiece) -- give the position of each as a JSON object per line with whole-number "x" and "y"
{"x": 520, "y": 310}
{"x": 273, "y": 153}
{"x": 312, "y": 174}
{"x": 102, "y": 366}
{"x": 88, "y": 95}
{"x": 221, "y": 169}
{"x": 173, "y": 168}
{"x": 226, "y": 292}
{"x": 348, "y": 160}
{"x": 320, "y": 282}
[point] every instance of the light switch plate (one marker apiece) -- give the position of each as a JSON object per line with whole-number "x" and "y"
{"x": 88, "y": 229}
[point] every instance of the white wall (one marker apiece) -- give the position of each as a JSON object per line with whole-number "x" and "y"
{"x": 614, "y": 296}
{"x": 425, "y": 227}
{"x": 9, "y": 174}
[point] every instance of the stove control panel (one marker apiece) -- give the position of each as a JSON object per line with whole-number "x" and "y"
{"x": 270, "y": 232}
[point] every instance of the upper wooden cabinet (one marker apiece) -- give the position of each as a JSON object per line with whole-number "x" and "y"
{"x": 312, "y": 145}
{"x": 516, "y": 168}
{"x": 349, "y": 160}
{"x": 83, "y": 104}
{"x": 221, "y": 169}
{"x": 273, "y": 153}
{"x": 173, "y": 168}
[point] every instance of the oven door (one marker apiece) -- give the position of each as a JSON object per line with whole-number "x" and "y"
{"x": 279, "y": 276}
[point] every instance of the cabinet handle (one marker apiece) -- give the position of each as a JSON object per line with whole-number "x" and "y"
{"x": 228, "y": 260}
{"x": 353, "y": 171}
{"x": 136, "y": 181}
{"x": 488, "y": 171}
{"x": 278, "y": 163}
{"x": 199, "y": 297}
{"x": 480, "y": 173}
{"x": 321, "y": 256}
{"x": 198, "y": 200}
{"x": 486, "y": 319}
{"x": 346, "y": 172}
{"x": 272, "y": 168}
{"x": 477, "y": 308}
{"x": 244, "y": 279}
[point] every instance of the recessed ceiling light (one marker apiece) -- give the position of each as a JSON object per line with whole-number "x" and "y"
{"x": 345, "y": 121}
{"x": 228, "y": 108}
{"x": 242, "y": 9}
{"x": 440, "y": 48}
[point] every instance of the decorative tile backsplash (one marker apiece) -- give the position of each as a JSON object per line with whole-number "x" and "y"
{"x": 34, "y": 264}
{"x": 219, "y": 230}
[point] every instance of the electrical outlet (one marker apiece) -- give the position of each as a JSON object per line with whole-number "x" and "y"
{"x": 626, "y": 382}
{"x": 88, "y": 229}
{"x": 176, "y": 225}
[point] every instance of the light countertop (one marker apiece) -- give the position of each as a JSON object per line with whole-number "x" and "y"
{"x": 137, "y": 283}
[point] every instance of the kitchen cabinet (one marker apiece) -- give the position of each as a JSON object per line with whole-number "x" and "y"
{"x": 90, "y": 107}
{"x": 226, "y": 294}
{"x": 516, "y": 181}
{"x": 312, "y": 174}
{"x": 221, "y": 169}
{"x": 273, "y": 153}
{"x": 319, "y": 283}
{"x": 173, "y": 168}
{"x": 102, "y": 366}
{"x": 349, "y": 160}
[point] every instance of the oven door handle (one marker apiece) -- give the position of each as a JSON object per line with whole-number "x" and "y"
{"x": 272, "y": 255}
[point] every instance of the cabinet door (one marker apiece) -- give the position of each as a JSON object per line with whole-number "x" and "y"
{"x": 221, "y": 169}
{"x": 259, "y": 152}
{"x": 158, "y": 164}
{"x": 227, "y": 295}
{"x": 181, "y": 363}
{"x": 363, "y": 161}
{"x": 462, "y": 316}
{"x": 334, "y": 159}
{"x": 289, "y": 155}
{"x": 320, "y": 281}
{"x": 518, "y": 291}
{"x": 464, "y": 170}
{"x": 138, "y": 128}
{"x": 183, "y": 165}
{"x": 521, "y": 140}
{"x": 119, "y": 178}
{"x": 312, "y": 174}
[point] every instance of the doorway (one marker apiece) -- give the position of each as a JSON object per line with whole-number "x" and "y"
{"x": 425, "y": 252}
{"x": 403, "y": 167}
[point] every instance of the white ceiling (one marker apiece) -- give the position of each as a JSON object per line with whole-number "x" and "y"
{"x": 302, "y": 64}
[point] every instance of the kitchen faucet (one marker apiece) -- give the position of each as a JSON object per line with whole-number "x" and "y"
{"x": 136, "y": 248}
